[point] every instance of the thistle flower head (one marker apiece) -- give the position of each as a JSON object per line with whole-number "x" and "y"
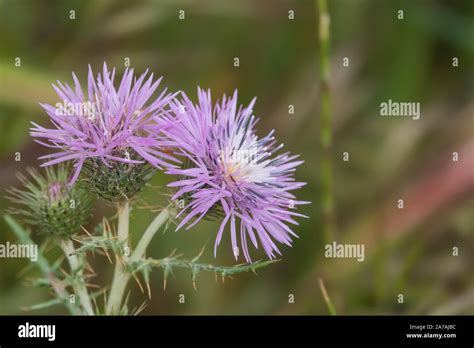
{"x": 231, "y": 169}
{"x": 108, "y": 128}
{"x": 48, "y": 202}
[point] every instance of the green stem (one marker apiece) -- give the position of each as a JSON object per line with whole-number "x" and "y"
{"x": 327, "y": 194}
{"x": 121, "y": 277}
{"x": 150, "y": 232}
{"x": 328, "y": 301}
{"x": 76, "y": 268}
{"x": 42, "y": 264}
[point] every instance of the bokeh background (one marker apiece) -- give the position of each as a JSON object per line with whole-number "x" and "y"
{"x": 408, "y": 251}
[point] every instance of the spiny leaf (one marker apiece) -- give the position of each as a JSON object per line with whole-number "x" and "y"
{"x": 43, "y": 305}
{"x": 42, "y": 263}
{"x": 168, "y": 264}
{"x": 95, "y": 242}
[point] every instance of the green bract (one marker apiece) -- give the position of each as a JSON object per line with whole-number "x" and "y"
{"x": 119, "y": 181}
{"x": 50, "y": 204}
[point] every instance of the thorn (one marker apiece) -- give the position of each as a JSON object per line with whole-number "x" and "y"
{"x": 95, "y": 286}
{"x": 223, "y": 279}
{"x": 88, "y": 268}
{"x": 194, "y": 285}
{"x": 108, "y": 256}
{"x": 164, "y": 284}
{"x": 140, "y": 309}
{"x": 149, "y": 290}
{"x": 96, "y": 307}
{"x": 105, "y": 299}
{"x": 86, "y": 231}
{"x": 138, "y": 282}
{"x": 200, "y": 253}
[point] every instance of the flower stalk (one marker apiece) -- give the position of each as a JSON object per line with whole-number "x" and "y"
{"x": 150, "y": 232}
{"x": 327, "y": 194}
{"x": 121, "y": 275}
{"x": 327, "y": 299}
{"x": 80, "y": 288}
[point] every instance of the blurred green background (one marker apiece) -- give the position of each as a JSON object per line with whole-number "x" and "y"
{"x": 408, "y": 251}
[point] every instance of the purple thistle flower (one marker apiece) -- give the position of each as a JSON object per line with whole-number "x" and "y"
{"x": 231, "y": 169}
{"x": 107, "y": 122}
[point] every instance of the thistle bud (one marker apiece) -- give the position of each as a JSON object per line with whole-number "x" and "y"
{"x": 48, "y": 203}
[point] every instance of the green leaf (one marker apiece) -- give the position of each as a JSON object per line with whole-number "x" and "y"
{"x": 43, "y": 305}
{"x": 171, "y": 262}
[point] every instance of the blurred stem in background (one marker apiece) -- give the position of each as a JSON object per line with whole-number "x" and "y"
{"x": 326, "y": 173}
{"x": 327, "y": 299}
